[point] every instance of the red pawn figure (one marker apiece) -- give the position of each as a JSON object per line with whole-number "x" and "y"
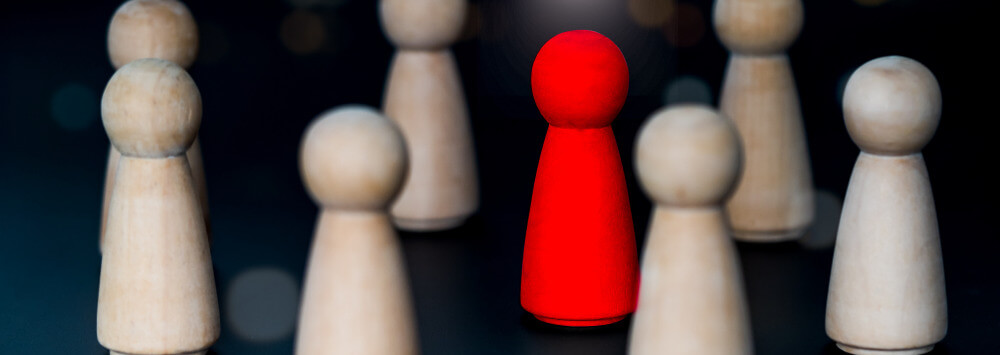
{"x": 580, "y": 265}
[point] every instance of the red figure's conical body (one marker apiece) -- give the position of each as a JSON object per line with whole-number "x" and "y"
{"x": 580, "y": 265}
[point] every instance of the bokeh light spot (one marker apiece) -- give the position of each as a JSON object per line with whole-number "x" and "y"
{"x": 302, "y": 32}
{"x": 687, "y": 26}
{"x": 262, "y": 304}
{"x": 651, "y": 13}
{"x": 687, "y": 89}
{"x": 75, "y": 106}
{"x": 822, "y": 234}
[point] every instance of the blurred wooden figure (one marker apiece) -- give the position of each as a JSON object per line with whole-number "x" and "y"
{"x": 424, "y": 96}
{"x": 774, "y": 199}
{"x": 887, "y": 291}
{"x": 153, "y": 29}
{"x": 356, "y": 298}
{"x": 157, "y": 292}
{"x": 691, "y": 300}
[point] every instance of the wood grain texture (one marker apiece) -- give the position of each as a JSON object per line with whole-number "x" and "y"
{"x": 161, "y": 29}
{"x": 887, "y": 282}
{"x": 887, "y": 289}
{"x": 424, "y": 97}
{"x": 758, "y": 27}
{"x": 356, "y": 298}
{"x": 157, "y": 292}
{"x": 692, "y": 299}
{"x": 774, "y": 198}
{"x": 197, "y": 173}
{"x": 422, "y": 24}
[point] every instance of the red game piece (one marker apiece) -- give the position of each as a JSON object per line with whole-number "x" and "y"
{"x": 580, "y": 265}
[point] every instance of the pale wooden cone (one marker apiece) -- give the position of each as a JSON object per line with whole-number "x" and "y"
{"x": 356, "y": 298}
{"x": 773, "y": 200}
{"x": 424, "y": 97}
{"x": 691, "y": 300}
{"x": 157, "y": 292}
{"x": 197, "y": 173}
{"x": 887, "y": 290}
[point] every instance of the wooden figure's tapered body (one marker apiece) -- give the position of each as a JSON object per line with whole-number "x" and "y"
{"x": 887, "y": 283}
{"x": 774, "y": 199}
{"x": 424, "y": 96}
{"x": 691, "y": 301}
{"x": 356, "y": 298}
{"x": 691, "y": 285}
{"x": 161, "y": 29}
{"x": 197, "y": 172}
{"x": 887, "y": 291}
{"x": 356, "y": 289}
{"x": 157, "y": 291}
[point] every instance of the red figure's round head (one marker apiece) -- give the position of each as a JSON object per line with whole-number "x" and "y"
{"x": 579, "y": 80}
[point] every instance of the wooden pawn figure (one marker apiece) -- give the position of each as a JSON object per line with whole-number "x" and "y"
{"x": 887, "y": 291}
{"x": 580, "y": 266}
{"x": 356, "y": 298}
{"x": 157, "y": 292}
{"x": 774, "y": 199}
{"x": 424, "y": 96}
{"x": 691, "y": 301}
{"x": 153, "y": 29}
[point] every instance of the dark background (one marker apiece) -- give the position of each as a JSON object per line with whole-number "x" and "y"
{"x": 266, "y": 68}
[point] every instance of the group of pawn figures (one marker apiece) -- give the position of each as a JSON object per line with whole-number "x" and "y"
{"x": 740, "y": 171}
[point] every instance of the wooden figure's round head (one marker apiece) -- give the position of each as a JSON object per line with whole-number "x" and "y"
{"x": 152, "y": 29}
{"x": 422, "y": 24}
{"x": 352, "y": 157}
{"x": 688, "y": 156}
{"x": 151, "y": 108}
{"x": 892, "y": 106}
{"x": 579, "y": 80}
{"x": 758, "y": 26}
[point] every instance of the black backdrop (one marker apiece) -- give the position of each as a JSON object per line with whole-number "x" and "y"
{"x": 267, "y": 68}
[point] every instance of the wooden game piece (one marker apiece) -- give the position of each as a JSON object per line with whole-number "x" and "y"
{"x": 153, "y": 29}
{"x": 423, "y": 95}
{"x": 691, "y": 301}
{"x": 774, "y": 198}
{"x": 161, "y": 29}
{"x": 580, "y": 265}
{"x": 356, "y": 298}
{"x": 887, "y": 292}
{"x": 157, "y": 292}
